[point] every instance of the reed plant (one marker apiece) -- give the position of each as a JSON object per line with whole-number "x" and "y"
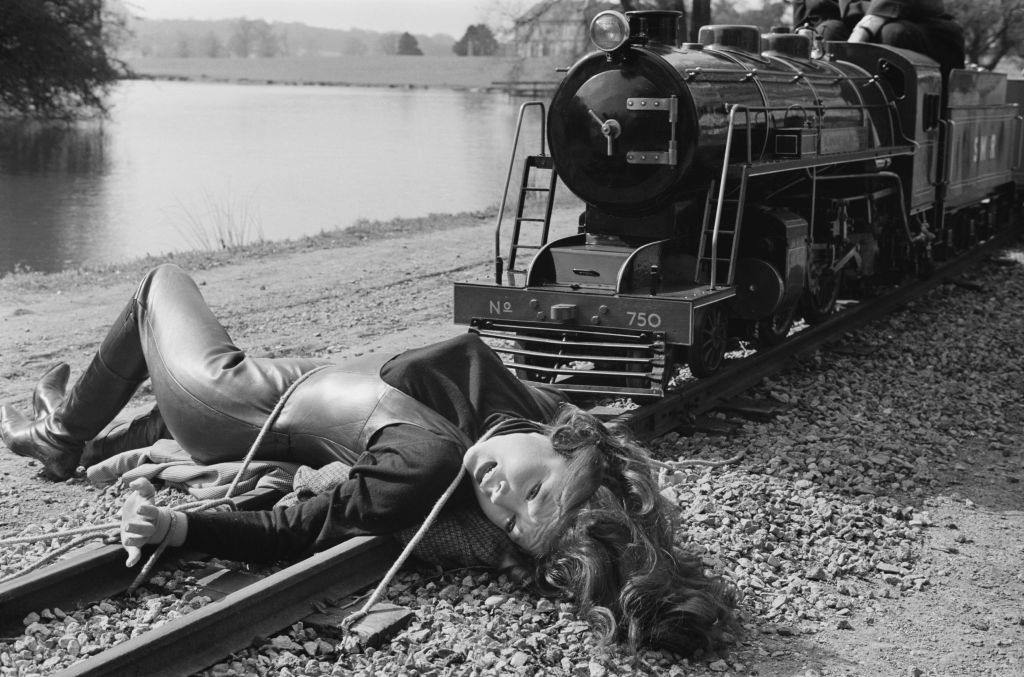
{"x": 220, "y": 222}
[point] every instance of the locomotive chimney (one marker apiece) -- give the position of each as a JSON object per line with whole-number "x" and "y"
{"x": 655, "y": 26}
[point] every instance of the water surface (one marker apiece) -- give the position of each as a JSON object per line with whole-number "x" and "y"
{"x": 183, "y": 165}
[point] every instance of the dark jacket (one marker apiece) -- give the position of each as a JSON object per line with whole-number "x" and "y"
{"x": 405, "y": 430}
{"x": 816, "y": 11}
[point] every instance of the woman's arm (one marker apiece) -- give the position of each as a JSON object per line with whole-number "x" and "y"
{"x": 391, "y": 487}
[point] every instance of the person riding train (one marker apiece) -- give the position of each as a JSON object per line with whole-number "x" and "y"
{"x": 922, "y": 26}
{"x": 577, "y": 498}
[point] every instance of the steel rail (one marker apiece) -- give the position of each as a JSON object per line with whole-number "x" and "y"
{"x": 702, "y": 395}
{"x": 85, "y": 577}
{"x": 197, "y": 640}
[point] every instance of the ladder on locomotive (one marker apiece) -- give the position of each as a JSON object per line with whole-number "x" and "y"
{"x": 528, "y": 187}
{"x": 726, "y": 209}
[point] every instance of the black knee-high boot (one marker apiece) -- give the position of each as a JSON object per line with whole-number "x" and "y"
{"x": 141, "y": 431}
{"x": 57, "y": 438}
{"x": 49, "y": 392}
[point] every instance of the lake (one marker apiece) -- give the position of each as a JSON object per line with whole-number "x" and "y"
{"x": 184, "y": 165}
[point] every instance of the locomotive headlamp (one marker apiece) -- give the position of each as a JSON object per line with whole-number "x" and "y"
{"x": 609, "y": 30}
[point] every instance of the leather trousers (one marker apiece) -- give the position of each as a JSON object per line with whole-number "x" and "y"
{"x": 213, "y": 398}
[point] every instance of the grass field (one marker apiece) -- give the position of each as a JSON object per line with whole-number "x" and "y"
{"x": 389, "y": 71}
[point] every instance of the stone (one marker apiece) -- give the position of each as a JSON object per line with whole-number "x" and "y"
{"x": 816, "y": 574}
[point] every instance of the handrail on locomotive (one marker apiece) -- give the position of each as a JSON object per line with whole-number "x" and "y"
{"x": 498, "y": 260}
{"x": 819, "y": 113}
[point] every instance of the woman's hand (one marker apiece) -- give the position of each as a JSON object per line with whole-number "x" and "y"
{"x": 143, "y": 523}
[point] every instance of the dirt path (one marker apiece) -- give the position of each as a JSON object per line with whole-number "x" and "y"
{"x": 392, "y": 294}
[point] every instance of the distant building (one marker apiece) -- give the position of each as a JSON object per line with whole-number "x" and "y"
{"x": 557, "y": 27}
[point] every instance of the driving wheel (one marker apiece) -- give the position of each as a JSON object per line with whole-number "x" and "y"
{"x": 819, "y": 300}
{"x": 710, "y": 333}
{"x": 773, "y": 330}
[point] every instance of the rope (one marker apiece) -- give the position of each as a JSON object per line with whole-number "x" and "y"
{"x": 54, "y": 555}
{"x": 59, "y": 534}
{"x": 381, "y": 588}
{"x": 90, "y": 532}
{"x": 151, "y": 562}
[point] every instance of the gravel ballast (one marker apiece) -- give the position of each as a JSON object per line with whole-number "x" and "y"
{"x": 847, "y": 517}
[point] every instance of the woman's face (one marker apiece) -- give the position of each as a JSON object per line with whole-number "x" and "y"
{"x": 517, "y": 479}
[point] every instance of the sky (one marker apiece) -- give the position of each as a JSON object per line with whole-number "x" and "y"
{"x": 425, "y": 17}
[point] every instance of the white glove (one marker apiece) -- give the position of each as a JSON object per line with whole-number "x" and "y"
{"x": 143, "y": 523}
{"x": 867, "y": 28}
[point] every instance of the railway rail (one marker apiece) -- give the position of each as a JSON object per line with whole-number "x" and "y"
{"x": 247, "y": 607}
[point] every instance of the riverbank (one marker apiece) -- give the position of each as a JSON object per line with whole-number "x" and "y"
{"x": 461, "y": 73}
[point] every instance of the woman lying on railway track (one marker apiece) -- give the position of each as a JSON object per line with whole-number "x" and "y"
{"x": 577, "y": 499}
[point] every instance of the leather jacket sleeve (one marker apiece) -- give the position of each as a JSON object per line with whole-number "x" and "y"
{"x": 391, "y": 487}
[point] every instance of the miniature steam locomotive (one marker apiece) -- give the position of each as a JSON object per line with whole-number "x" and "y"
{"x": 734, "y": 186}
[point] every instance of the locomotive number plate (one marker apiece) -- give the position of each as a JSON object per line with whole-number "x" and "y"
{"x": 672, "y": 316}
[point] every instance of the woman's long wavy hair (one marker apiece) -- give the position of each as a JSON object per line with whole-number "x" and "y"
{"x": 612, "y": 551}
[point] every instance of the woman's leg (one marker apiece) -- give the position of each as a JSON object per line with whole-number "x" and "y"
{"x": 212, "y": 397}
{"x": 139, "y": 431}
{"x": 57, "y": 437}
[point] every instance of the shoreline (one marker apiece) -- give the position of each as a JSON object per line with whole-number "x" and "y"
{"x": 538, "y": 76}
{"x": 363, "y": 231}
{"x": 516, "y": 89}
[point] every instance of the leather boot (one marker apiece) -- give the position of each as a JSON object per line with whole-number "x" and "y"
{"x": 49, "y": 392}
{"x": 58, "y": 438}
{"x": 40, "y": 440}
{"x": 142, "y": 431}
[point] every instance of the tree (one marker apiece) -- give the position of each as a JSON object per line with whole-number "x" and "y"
{"x": 56, "y": 57}
{"x": 701, "y": 16}
{"x": 388, "y": 43}
{"x": 477, "y": 41}
{"x": 764, "y": 17}
{"x": 353, "y": 46}
{"x": 408, "y": 45}
{"x": 210, "y": 46}
{"x": 254, "y": 37}
{"x": 241, "y": 41}
{"x": 992, "y": 28}
{"x": 182, "y": 47}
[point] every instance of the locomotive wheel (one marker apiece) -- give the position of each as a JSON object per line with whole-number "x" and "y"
{"x": 773, "y": 330}
{"x": 819, "y": 300}
{"x": 709, "y": 339}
